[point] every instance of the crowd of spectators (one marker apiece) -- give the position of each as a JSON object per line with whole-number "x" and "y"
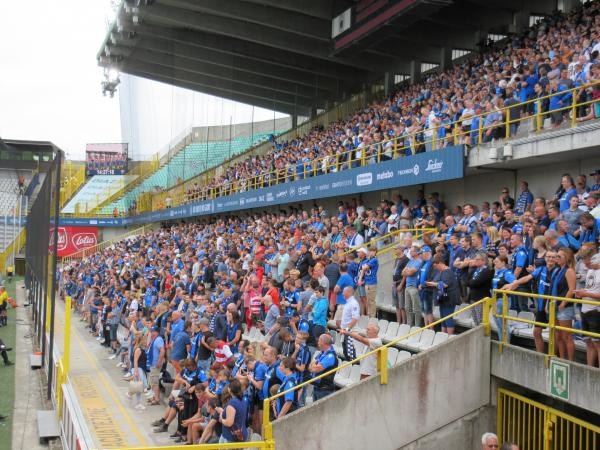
{"x": 188, "y": 293}
{"x": 557, "y": 54}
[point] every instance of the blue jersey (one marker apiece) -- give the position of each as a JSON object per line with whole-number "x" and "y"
{"x": 302, "y": 358}
{"x": 565, "y": 198}
{"x": 370, "y": 276}
{"x": 288, "y": 382}
{"x": 343, "y": 281}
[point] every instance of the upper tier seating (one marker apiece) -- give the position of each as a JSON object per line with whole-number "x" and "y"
{"x": 189, "y": 162}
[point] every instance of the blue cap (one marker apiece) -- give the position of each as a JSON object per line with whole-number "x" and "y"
{"x": 303, "y": 326}
{"x": 157, "y": 329}
{"x": 425, "y": 248}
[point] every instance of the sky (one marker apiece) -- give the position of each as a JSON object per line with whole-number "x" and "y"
{"x": 49, "y": 79}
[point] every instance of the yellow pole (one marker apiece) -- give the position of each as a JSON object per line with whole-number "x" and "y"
{"x": 67, "y": 349}
{"x": 382, "y": 357}
{"x": 574, "y": 110}
{"x": 538, "y": 116}
{"x": 504, "y": 337}
{"x": 551, "y": 336}
{"x": 267, "y": 428}
{"x": 486, "y": 317}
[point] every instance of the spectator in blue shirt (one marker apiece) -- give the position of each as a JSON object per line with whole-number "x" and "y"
{"x": 344, "y": 280}
{"x": 411, "y": 292}
{"x": 324, "y": 361}
{"x": 181, "y": 346}
{"x": 525, "y": 199}
{"x": 568, "y": 190}
{"x": 288, "y": 402}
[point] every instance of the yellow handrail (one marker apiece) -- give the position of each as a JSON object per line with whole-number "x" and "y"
{"x": 419, "y": 232}
{"x": 20, "y": 238}
{"x": 72, "y": 181}
{"x": 381, "y": 360}
{"x": 340, "y": 160}
{"x": 551, "y": 325}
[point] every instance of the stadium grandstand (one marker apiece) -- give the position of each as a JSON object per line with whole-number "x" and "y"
{"x": 406, "y": 258}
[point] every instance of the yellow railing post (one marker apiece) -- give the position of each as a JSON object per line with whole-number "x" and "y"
{"x": 507, "y": 125}
{"x": 551, "y": 336}
{"x": 486, "y": 317}
{"x": 267, "y": 427}
{"x": 574, "y": 110}
{"x": 67, "y": 344}
{"x": 504, "y": 337}
{"x": 382, "y": 358}
{"x": 538, "y": 116}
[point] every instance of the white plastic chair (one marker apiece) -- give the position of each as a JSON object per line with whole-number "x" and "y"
{"x": 383, "y": 326}
{"x": 392, "y": 356}
{"x": 412, "y": 340}
{"x": 390, "y": 333}
{"x": 425, "y": 342}
{"x": 402, "y": 356}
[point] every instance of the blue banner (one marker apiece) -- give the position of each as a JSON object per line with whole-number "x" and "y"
{"x": 441, "y": 165}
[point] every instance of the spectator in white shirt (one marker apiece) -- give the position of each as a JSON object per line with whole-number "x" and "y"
{"x": 350, "y": 316}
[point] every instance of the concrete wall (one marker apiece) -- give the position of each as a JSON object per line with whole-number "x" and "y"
{"x": 465, "y": 433}
{"x": 526, "y": 368}
{"x": 224, "y": 132}
{"x": 424, "y": 394}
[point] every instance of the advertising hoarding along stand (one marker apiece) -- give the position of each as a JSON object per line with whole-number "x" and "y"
{"x": 430, "y": 167}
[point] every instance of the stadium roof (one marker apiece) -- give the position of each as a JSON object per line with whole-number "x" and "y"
{"x": 279, "y": 54}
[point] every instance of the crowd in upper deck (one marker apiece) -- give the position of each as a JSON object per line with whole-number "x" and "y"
{"x": 557, "y": 54}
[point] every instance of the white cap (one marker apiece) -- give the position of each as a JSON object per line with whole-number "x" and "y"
{"x": 363, "y": 250}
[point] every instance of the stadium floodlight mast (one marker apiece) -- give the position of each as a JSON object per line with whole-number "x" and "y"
{"x": 111, "y": 81}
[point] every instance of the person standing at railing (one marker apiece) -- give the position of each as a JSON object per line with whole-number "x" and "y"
{"x": 543, "y": 278}
{"x": 590, "y": 314}
{"x": 371, "y": 267}
{"x": 324, "y": 361}
{"x": 425, "y": 291}
{"x": 519, "y": 263}
{"x": 564, "y": 286}
{"x": 350, "y": 316}
{"x": 502, "y": 277}
{"x": 479, "y": 283}
{"x": 398, "y": 297}
{"x": 447, "y": 292}
{"x": 411, "y": 294}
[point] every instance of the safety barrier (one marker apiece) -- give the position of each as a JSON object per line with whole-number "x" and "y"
{"x": 534, "y": 426}
{"x": 73, "y": 180}
{"x": 74, "y": 432}
{"x": 551, "y": 325}
{"x": 102, "y": 245}
{"x": 14, "y": 247}
{"x": 416, "y": 233}
{"x": 433, "y": 138}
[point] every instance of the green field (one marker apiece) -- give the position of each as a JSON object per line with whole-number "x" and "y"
{"x": 7, "y": 375}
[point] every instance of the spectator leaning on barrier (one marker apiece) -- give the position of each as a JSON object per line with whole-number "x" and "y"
{"x": 372, "y": 341}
